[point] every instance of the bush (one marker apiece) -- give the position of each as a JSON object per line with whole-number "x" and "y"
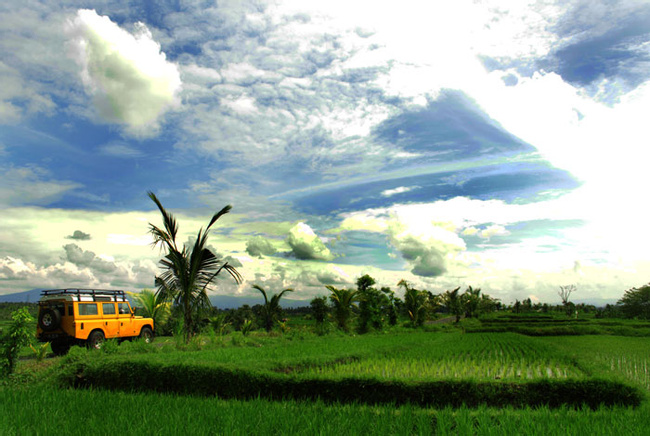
{"x": 19, "y": 334}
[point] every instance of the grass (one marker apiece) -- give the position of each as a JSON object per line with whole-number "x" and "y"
{"x": 33, "y": 404}
{"x": 73, "y": 412}
{"x": 477, "y": 356}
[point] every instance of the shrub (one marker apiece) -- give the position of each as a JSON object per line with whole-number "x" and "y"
{"x": 18, "y": 335}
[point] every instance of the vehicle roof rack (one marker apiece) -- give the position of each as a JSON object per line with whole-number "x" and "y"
{"x": 118, "y": 294}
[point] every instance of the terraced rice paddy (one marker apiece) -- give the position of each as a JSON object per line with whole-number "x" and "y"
{"x": 476, "y": 356}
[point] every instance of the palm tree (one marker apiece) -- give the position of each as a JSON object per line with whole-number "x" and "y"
{"x": 471, "y": 301}
{"x": 414, "y": 303}
{"x": 453, "y": 302}
{"x": 343, "y": 300}
{"x": 271, "y": 308}
{"x": 188, "y": 271}
{"x": 153, "y": 306}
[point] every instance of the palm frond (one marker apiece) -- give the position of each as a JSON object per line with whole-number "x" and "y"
{"x": 261, "y": 289}
{"x": 218, "y": 215}
{"x": 171, "y": 226}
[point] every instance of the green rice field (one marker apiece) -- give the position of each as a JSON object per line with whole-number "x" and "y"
{"x": 37, "y": 399}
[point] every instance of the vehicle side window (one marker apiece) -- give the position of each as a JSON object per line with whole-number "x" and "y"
{"x": 70, "y": 309}
{"x": 124, "y": 309}
{"x": 108, "y": 308}
{"x": 88, "y": 309}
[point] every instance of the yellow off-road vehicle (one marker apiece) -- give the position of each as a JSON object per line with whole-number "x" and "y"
{"x": 69, "y": 317}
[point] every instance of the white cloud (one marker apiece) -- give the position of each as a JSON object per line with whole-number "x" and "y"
{"x": 242, "y": 105}
{"x": 305, "y": 244}
{"x": 431, "y": 247}
{"x": 130, "y": 79}
{"x": 400, "y": 190}
{"x": 486, "y": 233}
{"x": 30, "y": 185}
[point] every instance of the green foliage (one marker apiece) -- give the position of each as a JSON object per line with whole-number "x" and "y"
{"x": 271, "y": 311}
{"x": 110, "y": 346}
{"x": 319, "y": 309}
{"x": 188, "y": 271}
{"x": 371, "y": 303}
{"x": 415, "y": 304}
{"x": 18, "y": 335}
{"x": 40, "y": 351}
{"x": 247, "y": 327}
{"x": 343, "y": 301}
{"x": 636, "y": 303}
{"x": 454, "y": 303}
{"x": 219, "y": 324}
{"x": 153, "y": 305}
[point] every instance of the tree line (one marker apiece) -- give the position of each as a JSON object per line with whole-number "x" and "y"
{"x": 191, "y": 269}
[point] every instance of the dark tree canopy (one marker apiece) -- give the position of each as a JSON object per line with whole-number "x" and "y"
{"x": 636, "y": 302}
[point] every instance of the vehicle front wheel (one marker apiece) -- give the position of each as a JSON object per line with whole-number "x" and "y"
{"x": 146, "y": 334}
{"x": 95, "y": 340}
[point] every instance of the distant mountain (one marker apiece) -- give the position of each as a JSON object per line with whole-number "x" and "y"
{"x": 598, "y": 302}
{"x": 31, "y": 296}
{"x": 219, "y": 301}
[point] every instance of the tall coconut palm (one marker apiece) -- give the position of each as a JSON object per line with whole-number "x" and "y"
{"x": 271, "y": 308}
{"x": 343, "y": 300}
{"x": 188, "y": 271}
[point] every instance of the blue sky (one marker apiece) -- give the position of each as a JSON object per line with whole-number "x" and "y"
{"x": 497, "y": 144}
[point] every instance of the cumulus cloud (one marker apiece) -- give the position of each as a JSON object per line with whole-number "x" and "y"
{"x": 305, "y": 244}
{"x": 83, "y": 258}
{"x": 79, "y": 236}
{"x": 430, "y": 247}
{"x": 130, "y": 79}
{"x": 258, "y": 246}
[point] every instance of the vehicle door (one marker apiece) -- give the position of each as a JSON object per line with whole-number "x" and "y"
{"x": 126, "y": 320}
{"x": 110, "y": 320}
{"x": 87, "y": 319}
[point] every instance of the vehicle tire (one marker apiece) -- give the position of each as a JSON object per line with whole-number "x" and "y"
{"x": 49, "y": 320}
{"x": 60, "y": 347}
{"x": 95, "y": 340}
{"x": 146, "y": 334}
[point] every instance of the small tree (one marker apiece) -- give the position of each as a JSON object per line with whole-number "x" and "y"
{"x": 20, "y": 334}
{"x": 564, "y": 293}
{"x": 370, "y": 305}
{"x": 271, "y": 310}
{"x": 319, "y": 309}
{"x": 389, "y": 306}
{"x": 343, "y": 301}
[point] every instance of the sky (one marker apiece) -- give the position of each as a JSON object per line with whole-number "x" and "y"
{"x": 498, "y": 144}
